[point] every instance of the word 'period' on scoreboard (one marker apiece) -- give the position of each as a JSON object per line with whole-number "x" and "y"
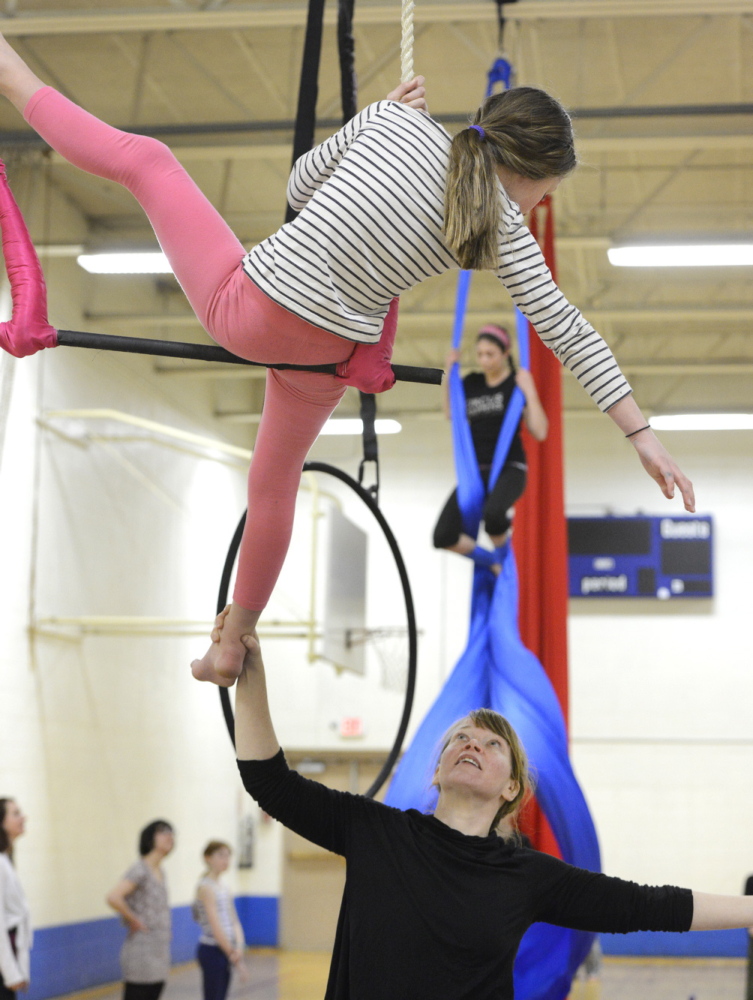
{"x": 661, "y": 557}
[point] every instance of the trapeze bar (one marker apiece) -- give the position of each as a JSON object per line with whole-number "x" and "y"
{"x": 206, "y": 352}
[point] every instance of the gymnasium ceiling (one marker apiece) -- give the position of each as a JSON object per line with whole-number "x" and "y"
{"x": 663, "y": 96}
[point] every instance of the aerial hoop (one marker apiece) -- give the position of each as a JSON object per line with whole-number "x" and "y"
{"x": 410, "y": 615}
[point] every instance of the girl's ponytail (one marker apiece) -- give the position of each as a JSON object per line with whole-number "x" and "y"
{"x": 471, "y": 221}
{"x": 523, "y": 129}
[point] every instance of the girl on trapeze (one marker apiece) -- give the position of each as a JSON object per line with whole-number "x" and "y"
{"x": 385, "y": 203}
{"x": 487, "y": 395}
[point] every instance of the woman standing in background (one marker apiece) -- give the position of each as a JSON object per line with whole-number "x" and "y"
{"x": 15, "y": 925}
{"x": 221, "y": 942}
{"x": 141, "y": 899}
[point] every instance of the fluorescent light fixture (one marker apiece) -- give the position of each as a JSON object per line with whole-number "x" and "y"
{"x": 687, "y": 255}
{"x": 354, "y": 425}
{"x": 153, "y": 262}
{"x": 703, "y": 422}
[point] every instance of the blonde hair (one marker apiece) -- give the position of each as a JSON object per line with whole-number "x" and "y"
{"x": 487, "y": 718}
{"x": 524, "y": 129}
{"x": 216, "y": 845}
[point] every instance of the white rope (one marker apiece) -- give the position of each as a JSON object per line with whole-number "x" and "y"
{"x": 406, "y": 41}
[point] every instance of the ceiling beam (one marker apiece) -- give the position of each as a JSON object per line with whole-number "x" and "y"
{"x": 93, "y": 23}
{"x": 436, "y": 319}
{"x": 573, "y": 242}
{"x": 232, "y": 20}
{"x": 280, "y": 151}
{"x": 658, "y": 368}
{"x": 667, "y": 143}
{"x": 46, "y": 250}
{"x": 691, "y": 368}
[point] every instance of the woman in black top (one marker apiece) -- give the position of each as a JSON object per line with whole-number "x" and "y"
{"x": 488, "y": 393}
{"x": 434, "y": 907}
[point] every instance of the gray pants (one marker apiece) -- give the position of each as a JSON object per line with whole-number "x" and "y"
{"x": 749, "y": 985}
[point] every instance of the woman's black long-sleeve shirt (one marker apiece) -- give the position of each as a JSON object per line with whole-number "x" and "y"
{"x": 432, "y": 914}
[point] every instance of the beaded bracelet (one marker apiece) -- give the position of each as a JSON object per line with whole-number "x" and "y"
{"x": 633, "y": 433}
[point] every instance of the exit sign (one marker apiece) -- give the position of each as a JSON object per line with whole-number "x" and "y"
{"x": 351, "y": 727}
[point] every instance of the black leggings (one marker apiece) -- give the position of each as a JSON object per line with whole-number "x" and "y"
{"x": 508, "y": 488}
{"x": 142, "y": 991}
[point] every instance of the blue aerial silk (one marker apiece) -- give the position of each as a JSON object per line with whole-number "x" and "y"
{"x": 497, "y": 671}
{"x": 502, "y": 73}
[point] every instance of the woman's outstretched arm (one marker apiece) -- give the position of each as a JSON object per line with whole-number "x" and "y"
{"x": 254, "y": 733}
{"x": 319, "y": 814}
{"x": 717, "y": 913}
{"x": 591, "y": 901}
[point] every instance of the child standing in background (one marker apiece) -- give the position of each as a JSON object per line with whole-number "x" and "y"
{"x": 221, "y": 942}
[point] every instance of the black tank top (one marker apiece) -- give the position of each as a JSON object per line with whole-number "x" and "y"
{"x": 485, "y": 407}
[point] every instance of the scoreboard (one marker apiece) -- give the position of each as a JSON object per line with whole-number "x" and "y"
{"x": 661, "y": 557}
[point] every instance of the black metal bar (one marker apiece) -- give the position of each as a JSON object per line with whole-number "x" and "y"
{"x": 426, "y": 376}
{"x": 346, "y": 50}
{"x": 308, "y": 90}
{"x": 206, "y": 352}
{"x": 170, "y": 349}
{"x": 227, "y": 572}
{"x": 370, "y": 443}
{"x": 28, "y": 139}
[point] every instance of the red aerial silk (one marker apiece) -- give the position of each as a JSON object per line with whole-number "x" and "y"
{"x": 540, "y": 532}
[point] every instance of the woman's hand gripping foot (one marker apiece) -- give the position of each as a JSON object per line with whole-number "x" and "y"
{"x": 223, "y": 661}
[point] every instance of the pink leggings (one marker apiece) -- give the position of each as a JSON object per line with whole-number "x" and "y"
{"x": 206, "y": 259}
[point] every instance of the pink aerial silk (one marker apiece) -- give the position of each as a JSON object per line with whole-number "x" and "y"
{"x": 28, "y": 331}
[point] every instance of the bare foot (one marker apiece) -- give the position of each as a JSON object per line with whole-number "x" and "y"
{"x": 207, "y": 668}
{"x": 223, "y": 661}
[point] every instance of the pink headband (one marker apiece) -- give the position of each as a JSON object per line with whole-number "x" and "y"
{"x": 497, "y": 333}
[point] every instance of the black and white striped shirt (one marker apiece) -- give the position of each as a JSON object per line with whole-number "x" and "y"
{"x": 371, "y": 200}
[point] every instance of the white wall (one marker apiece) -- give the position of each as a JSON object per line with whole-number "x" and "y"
{"x": 662, "y": 692}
